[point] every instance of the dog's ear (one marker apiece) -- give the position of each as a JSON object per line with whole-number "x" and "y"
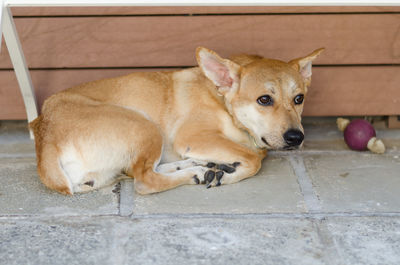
{"x": 222, "y": 72}
{"x": 303, "y": 65}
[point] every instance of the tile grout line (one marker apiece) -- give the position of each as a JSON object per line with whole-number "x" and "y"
{"x": 314, "y": 215}
{"x": 332, "y": 253}
{"x": 271, "y": 153}
{"x": 313, "y": 205}
{"x": 329, "y": 152}
{"x": 312, "y": 202}
{"x": 23, "y": 155}
{"x": 126, "y": 201}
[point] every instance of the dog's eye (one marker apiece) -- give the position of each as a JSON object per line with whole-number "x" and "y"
{"x": 299, "y": 99}
{"x": 265, "y": 100}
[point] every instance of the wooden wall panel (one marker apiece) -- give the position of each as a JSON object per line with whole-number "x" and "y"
{"x": 364, "y": 90}
{"x": 142, "y": 10}
{"x": 171, "y": 41}
{"x": 358, "y": 74}
{"x": 46, "y": 83}
{"x": 335, "y": 90}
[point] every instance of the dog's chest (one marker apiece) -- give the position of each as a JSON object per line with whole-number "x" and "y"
{"x": 232, "y": 132}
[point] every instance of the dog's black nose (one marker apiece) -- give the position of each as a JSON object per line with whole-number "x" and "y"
{"x": 293, "y": 137}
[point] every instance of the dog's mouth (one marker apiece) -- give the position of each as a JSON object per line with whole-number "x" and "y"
{"x": 288, "y": 147}
{"x": 267, "y": 145}
{"x": 285, "y": 148}
{"x": 265, "y": 141}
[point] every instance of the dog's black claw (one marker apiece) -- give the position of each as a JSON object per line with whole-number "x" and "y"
{"x": 90, "y": 183}
{"x": 208, "y": 186}
{"x": 209, "y": 176}
{"x": 236, "y": 164}
{"x": 178, "y": 168}
{"x": 210, "y": 165}
{"x": 226, "y": 168}
{"x": 218, "y": 175}
{"x": 196, "y": 179}
{"x": 218, "y": 184}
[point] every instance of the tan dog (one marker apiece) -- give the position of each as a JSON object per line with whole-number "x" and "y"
{"x": 220, "y": 118}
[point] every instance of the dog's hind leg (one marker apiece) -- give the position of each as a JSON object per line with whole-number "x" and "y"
{"x": 95, "y": 180}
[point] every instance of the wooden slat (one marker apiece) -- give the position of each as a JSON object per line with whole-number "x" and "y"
{"x": 140, "y": 10}
{"x": 353, "y": 91}
{"x": 335, "y": 90}
{"x": 171, "y": 41}
{"x": 394, "y": 122}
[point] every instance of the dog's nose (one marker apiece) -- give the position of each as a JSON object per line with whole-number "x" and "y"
{"x": 293, "y": 137}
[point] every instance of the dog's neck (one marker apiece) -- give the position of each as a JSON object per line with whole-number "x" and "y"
{"x": 253, "y": 140}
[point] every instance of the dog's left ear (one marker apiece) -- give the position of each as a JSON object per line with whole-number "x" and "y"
{"x": 222, "y": 72}
{"x": 303, "y": 65}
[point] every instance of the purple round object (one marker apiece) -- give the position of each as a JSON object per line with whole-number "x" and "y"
{"x": 358, "y": 133}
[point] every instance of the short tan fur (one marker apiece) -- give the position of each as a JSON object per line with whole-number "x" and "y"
{"x": 210, "y": 124}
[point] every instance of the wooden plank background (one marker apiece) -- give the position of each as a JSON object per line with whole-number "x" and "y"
{"x": 359, "y": 74}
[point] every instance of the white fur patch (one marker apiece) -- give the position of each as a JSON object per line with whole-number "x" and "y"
{"x": 292, "y": 85}
{"x": 94, "y": 156}
{"x": 230, "y": 130}
{"x": 72, "y": 166}
{"x": 251, "y": 119}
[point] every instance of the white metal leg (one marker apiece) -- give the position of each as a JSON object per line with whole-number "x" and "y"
{"x": 1, "y": 16}
{"x": 20, "y": 67}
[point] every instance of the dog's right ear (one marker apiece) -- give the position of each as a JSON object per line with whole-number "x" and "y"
{"x": 222, "y": 72}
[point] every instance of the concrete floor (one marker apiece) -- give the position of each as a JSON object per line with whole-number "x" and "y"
{"x": 324, "y": 204}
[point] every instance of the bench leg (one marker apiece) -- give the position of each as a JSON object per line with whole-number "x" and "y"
{"x": 20, "y": 67}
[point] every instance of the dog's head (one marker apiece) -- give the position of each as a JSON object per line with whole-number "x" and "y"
{"x": 264, "y": 96}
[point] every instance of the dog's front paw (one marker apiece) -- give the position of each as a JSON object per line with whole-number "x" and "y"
{"x": 213, "y": 177}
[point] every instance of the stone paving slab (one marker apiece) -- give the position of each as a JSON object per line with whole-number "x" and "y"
{"x": 204, "y": 240}
{"x": 273, "y": 189}
{"x": 115, "y": 240}
{"x": 15, "y": 141}
{"x": 19, "y": 149}
{"x": 22, "y": 193}
{"x": 360, "y": 182}
{"x": 362, "y": 240}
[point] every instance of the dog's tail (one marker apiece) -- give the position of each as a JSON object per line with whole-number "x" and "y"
{"x": 36, "y": 128}
{"x": 48, "y": 164}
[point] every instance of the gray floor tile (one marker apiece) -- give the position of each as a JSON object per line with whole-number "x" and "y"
{"x": 360, "y": 182}
{"x": 160, "y": 241}
{"x": 17, "y": 149}
{"x": 366, "y": 240}
{"x": 273, "y": 189}
{"x": 21, "y": 193}
{"x": 15, "y": 141}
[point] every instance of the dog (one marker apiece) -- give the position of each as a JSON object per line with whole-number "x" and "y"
{"x": 211, "y": 124}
